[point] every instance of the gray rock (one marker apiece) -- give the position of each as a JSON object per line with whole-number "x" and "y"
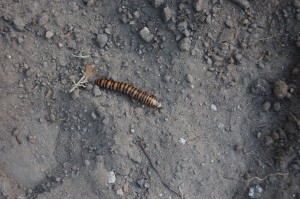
{"x": 185, "y": 44}
{"x": 266, "y": 106}
{"x": 96, "y": 91}
{"x": 101, "y": 40}
{"x": 72, "y": 44}
{"x": 277, "y": 106}
{"x": 19, "y": 23}
{"x": 280, "y": 89}
{"x": 49, "y": 34}
{"x": 146, "y": 35}
{"x": 198, "y": 5}
{"x": 43, "y": 20}
{"x": 243, "y": 3}
{"x": 182, "y": 26}
{"x": 157, "y": 3}
{"x": 189, "y": 78}
{"x": 167, "y": 14}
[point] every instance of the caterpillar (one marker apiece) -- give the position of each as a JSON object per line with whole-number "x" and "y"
{"x": 133, "y": 92}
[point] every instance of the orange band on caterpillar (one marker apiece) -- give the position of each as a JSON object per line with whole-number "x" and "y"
{"x": 134, "y": 93}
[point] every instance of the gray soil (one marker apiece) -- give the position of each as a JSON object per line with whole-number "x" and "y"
{"x": 226, "y": 72}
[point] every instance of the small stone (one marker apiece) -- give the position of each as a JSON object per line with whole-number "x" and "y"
{"x": 43, "y": 20}
{"x": 146, "y": 35}
{"x": 120, "y": 192}
{"x": 213, "y": 107}
{"x": 266, "y": 106}
{"x": 189, "y": 78}
{"x": 125, "y": 187}
{"x": 107, "y": 31}
{"x": 49, "y": 34}
{"x": 277, "y": 106}
{"x": 87, "y": 163}
{"x": 182, "y": 141}
{"x": 96, "y": 91}
{"x": 280, "y": 89}
{"x": 74, "y": 7}
{"x": 238, "y": 57}
{"x": 185, "y": 44}
{"x": 29, "y": 72}
{"x": 101, "y": 40}
{"x": 243, "y": 3}
{"x": 19, "y": 23}
{"x": 111, "y": 177}
{"x": 229, "y": 23}
{"x": 90, "y": 2}
{"x": 275, "y": 136}
{"x": 167, "y": 14}
{"x": 255, "y": 191}
{"x": 198, "y": 5}
{"x": 157, "y": 3}
{"x": 268, "y": 140}
{"x": 261, "y": 87}
{"x": 20, "y": 40}
{"x": 72, "y": 44}
{"x": 75, "y": 94}
{"x": 52, "y": 117}
{"x": 238, "y": 147}
{"x": 94, "y": 116}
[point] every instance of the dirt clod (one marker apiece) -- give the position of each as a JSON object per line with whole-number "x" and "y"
{"x": 280, "y": 89}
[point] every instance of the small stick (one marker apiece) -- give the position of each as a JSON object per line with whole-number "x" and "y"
{"x": 142, "y": 144}
{"x": 261, "y": 179}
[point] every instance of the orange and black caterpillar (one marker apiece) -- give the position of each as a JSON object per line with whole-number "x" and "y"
{"x": 134, "y": 93}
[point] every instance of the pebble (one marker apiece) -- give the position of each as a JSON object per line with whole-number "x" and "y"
{"x": 268, "y": 141}
{"x": 266, "y": 106}
{"x": 243, "y": 3}
{"x": 43, "y": 20}
{"x": 238, "y": 57}
{"x": 185, "y": 44}
{"x": 189, "y": 78}
{"x": 213, "y": 107}
{"x": 167, "y": 14}
{"x": 72, "y": 44}
{"x": 111, "y": 177}
{"x": 198, "y": 5}
{"x": 19, "y": 23}
{"x": 146, "y": 35}
{"x": 20, "y": 40}
{"x": 120, "y": 192}
{"x": 277, "y": 106}
{"x": 96, "y": 91}
{"x": 182, "y": 141}
{"x": 280, "y": 89}
{"x": 255, "y": 191}
{"x": 87, "y": 163}
{"x": 49, "y": 34}
{"x": 75, "y": 94}
{"x": 102, "y": 40}
{"x": 94, "y": 116}
{"x": 52, "y": 117}
{"x": 157, "y": 3}
{"x": 229, "y": 23}
{"x": 125, "y": 187}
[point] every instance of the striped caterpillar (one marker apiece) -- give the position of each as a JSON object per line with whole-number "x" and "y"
{"x": 134, "y": 93}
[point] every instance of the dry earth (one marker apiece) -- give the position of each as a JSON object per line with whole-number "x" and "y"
{"x": 226, "y": 72}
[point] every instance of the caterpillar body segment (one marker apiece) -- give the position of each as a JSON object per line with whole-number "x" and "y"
{"x": 135, "y": 93}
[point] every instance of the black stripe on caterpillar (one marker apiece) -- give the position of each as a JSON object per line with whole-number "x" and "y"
{"x": 134, "y": 93}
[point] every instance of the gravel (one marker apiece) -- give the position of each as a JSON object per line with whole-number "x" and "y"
{"x": 146, "y": 35}
{"x": 101, "y": 40}
{"x": 198, "y": 5}
{"x": 185, "y": 44}
{"x": 19, "y": 23}
{"x": 49, "y": 34}
{"x": 280, "y": 89}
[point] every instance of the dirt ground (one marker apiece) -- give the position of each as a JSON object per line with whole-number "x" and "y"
{"x": 226, "y": 72}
